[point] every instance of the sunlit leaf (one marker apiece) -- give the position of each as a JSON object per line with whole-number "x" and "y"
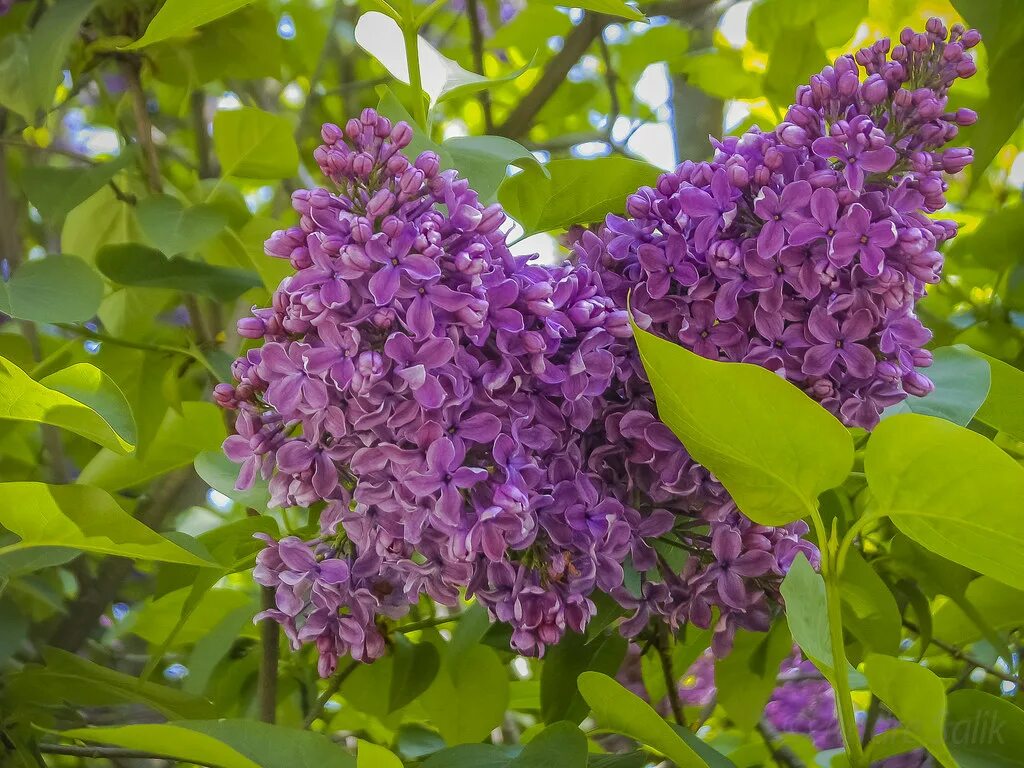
{"x": 951, "y": 490}
{"x": 179, "y": 17}
{"x": 254, "y": 144}
{"x": 772, "y": 447}
{"x": 80, "y": 399}
{"x": 83, "y": 518}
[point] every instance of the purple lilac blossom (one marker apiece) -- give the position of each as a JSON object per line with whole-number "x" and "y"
{"x": 469, "y": 421}
{"x": 805, "y": 249}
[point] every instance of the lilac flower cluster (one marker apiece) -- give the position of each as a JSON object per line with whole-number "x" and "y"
{"x": 804, "y": 249}
{"x": 463, "y": 419}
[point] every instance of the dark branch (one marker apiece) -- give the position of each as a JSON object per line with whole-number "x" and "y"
{"x": 476, "y": 42}
{"x": 576, "y": 44}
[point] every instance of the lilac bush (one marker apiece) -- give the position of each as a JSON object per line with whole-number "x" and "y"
{"x": 466, "y": 420}
{"x": 805, "y": 249}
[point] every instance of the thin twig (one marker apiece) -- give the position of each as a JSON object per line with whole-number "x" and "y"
{"x": 576, "y": 44}
{"x": 427, "y": 623}
{"x": 111, "y": 753}
{"x": 269, "y": 642}
{"x": 611, "y": 79}
{"x": 476, "y": 44}
{"x": 960, "y": 655}
{"x": 131, "y": 67}
{"x": 671, "y": 684}
{"x": 332, "y": 688}
{"x": 204, "y": 154}
{"x": 781, "y": 753}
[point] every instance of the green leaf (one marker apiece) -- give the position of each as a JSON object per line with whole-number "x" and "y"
{"x": 1003, "y": 410}
{"x": 951, "y": 490}
{"x": 561, "y": 745}
{"x": 746, "y": 677}
{"x": 916, "y": 697}
{"x": 471, "y": 756}
{"x": 773, "y": 448}
{"x": 101, "y": 220}
{"x": 179, "y": 17}
{"x": 174, "y": 741}
{"x": 1003, "y": 32}
{"x": 564, "y": 662}
{"x": 984, "y": 731}
{"x": 484, "y": 160}
{"x": 84, "y": 518}
{"x": 1001, "y": 606}
{"x": 67, "y": 677}
{"x": 895, "y": 741}
{"x": 56, "y": 191}
{"x": 370, "y": 755}
{"x": 54, "y": 289}
{"x": 796, "y": 55}
{"x": 413, "y": 670}
{"x": 173, "y": 228}
{"x": 273, "y": 746}
{"x": 220, "y": 473}
{"x": 707, "y": 753}
{"x": 80, "y": 399}
{"x": 574, "y": 191}
{"x": 179, "y": 439}
{"x": 869, "y": 608}
{"x": 467, "y": 698}
{"x": 962, "y": 379}
{"x": 610, "y": 7}
{"x": 618, "y": 709}
{"x": 254, "y": 144}
{"x": 807, "y": 611}
{"x": 137, "y": 265}
{"x": 48, "y": 47}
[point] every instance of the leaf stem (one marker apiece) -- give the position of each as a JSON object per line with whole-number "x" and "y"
{"x": 412, "y": 57}
{"x": 269, "y": 642}
{"x": 671, "y": 685}
{"x": 427, "y": 623}
{"x": 841, "y": 681}
{"x": 332, "y": 688}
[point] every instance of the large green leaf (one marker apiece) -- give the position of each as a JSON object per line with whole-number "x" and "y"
{"x": 564, "y": 662}
{"x": 273, "y": 746}
{"x": 167, "y": 739}
{"x": 746, "y": 677}
{"x": 1002, "y": 26}
{"x": 618, "y": 709}
{"x": 951, "y": 490}
{"x": 54, "y": 289}
{"x": 484, "y": 160}
{"x": 56, "y": 191}
{"x": 179, "y": 17}
{"x": 610, "y": 7}
{"x": 173, "y": 228}
{"x": 52, "y": 37}
{"x": 869, "y": 608}
{"x": 137, "y": 265}
{"x": 70, "y": 678}
{"x": 369, "y": 755}
{"x": 962, "y": 379}
{"x": 1004, "y": 407}
{"x": 179, "y": 439}
{"x": 84, "y": 518}
{"x": 101, "y": 220}
{"x": 221, "y": 474}
{"x": 916, "y": 697}
{"x": 774, "y": 449}
{"x": 807, "y": 612}
{"x": 1001, "y": 606}
{"x": 414, "y": 667}
{"x": 254, "y": 144}
{"x": 574, "y": 191}
{"x": 984, "y": 731}
{"x": 468, "y": 697}
{"x": 80, "y": 399}
{"x": 561, "y": 745}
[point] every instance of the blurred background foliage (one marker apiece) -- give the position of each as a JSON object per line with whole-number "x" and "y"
{"x": 148, "y": 150}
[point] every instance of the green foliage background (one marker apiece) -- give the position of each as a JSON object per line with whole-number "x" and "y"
{"x": 147, "y": 150}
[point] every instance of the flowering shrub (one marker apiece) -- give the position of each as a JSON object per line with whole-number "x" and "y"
{"x": 473, "y": 420}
